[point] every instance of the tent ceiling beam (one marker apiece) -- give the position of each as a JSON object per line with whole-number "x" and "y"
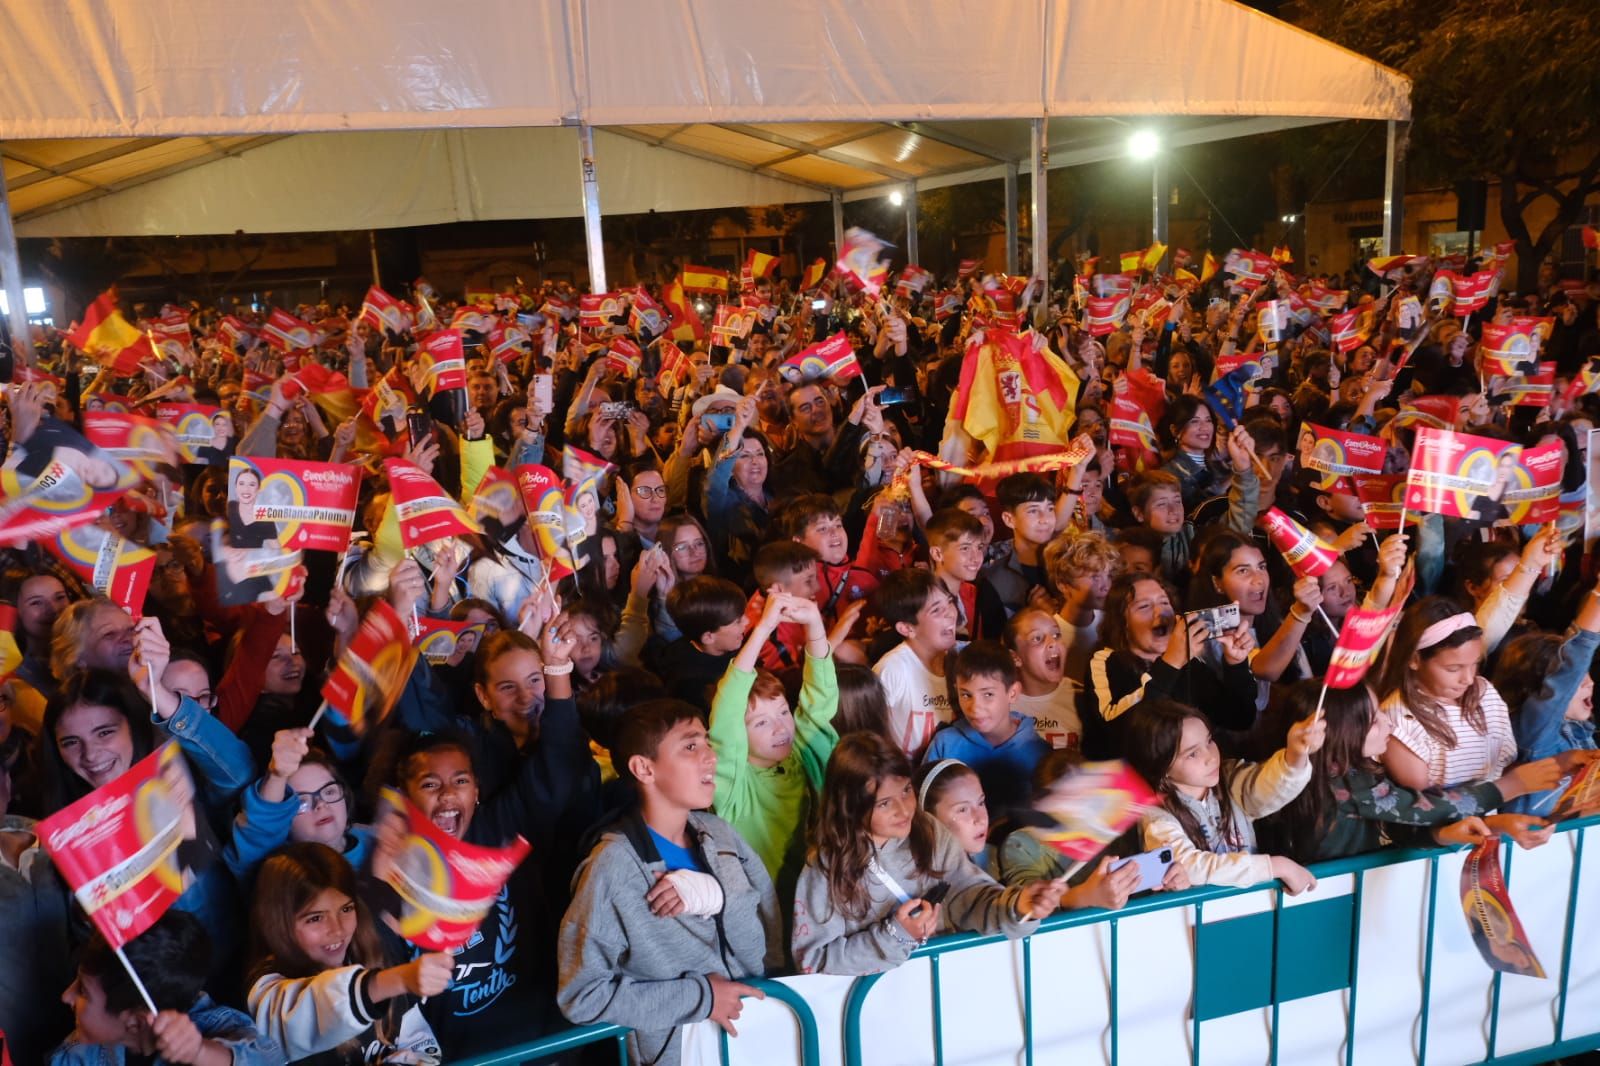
{"x": 176, "y": 168}
{"x": 802, "y": 148}
{"x": 952, "y": 140}
{"x": 68, "y": 169}
{"x": 712, "y": 157}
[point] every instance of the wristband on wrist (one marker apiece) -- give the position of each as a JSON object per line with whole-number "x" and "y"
{"x": 557, "y": 669}
{"x": 1294, "y": 613}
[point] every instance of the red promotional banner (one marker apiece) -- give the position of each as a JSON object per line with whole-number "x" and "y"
{"x": 313, "y": 505}
{"x": 543, "y": 496}
{"x": 732, "y": 325}
{"x": 446, "y": 360}
{"x": 1445, "y": 409}
{"x": 57, "y": 480}
{"x": 1339, "y": 454}
{"x": 602, "y": 313}
{"x": 833, "y": 358}
{"x": 1383, "y": 499}
{"x": 425, "y": 511}
{"x": 1360, "y": 641}
{"x": 495, "y": 498}
{"x": 116, "y": 568}
{"x": 446, "y": 887}
{"x": 1227, "y": 364}
{"x": 1307, "y": 554}
{"x": 256, "y": 570}
{"x": 205, "y": 433}
{"x": 623, "y": 356}
{"x": 1527, "y": 390}
{"x": 438, "y": 639}
{"x": 120, "y": 847}
{"x": 1533, "y": 494}
{"x": 1508, "y": 349}
{"x": 371, "y": 671}
{"x": 1092, "y": 806}
{"x": 675, "y": 368}
{"x": 1492, "y": 920}
{"x": 285, "y": 333}
{"x": 145, "y": 444}
{"x": 1105, "y": 313}
{"x": 1449, "y": 470}
{"x": 383, "y": 312}
{"x": 1346, "y": 327}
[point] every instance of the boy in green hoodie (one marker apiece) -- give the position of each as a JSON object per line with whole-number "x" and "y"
{"x": 769, "y": 761}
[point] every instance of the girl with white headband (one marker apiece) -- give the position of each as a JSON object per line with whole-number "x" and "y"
{"x": 1450, "y": 725}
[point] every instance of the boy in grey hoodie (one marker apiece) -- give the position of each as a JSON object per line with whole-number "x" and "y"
{"x": 671, "y": 907}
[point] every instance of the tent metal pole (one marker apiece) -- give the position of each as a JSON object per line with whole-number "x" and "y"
{"x": 11, "y": 275}
{"x": 838, "y": 223}
{"x": 1158, "y": 201}
{"x": 1011, "y": 218}
{"x": 911, "y": 223}
{"x": 591, "y": 210}
{"x": 372, "y": 247}
{"x": 1394, "y": 186}
{"x": 1040, "y": 220}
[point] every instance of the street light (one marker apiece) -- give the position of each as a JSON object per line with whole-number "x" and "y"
{"x": 896, "y": 197}
{"x": 1144, "y": 144}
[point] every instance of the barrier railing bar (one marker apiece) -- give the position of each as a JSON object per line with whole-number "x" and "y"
{"x": 1027, "y": 1000}
{"x": 810, "y": 1052}
{"x": 1494, "y": 984}
{"x": 1427, "y": 961}
{"x": 853, "y": 1003}
{"x": 1113, "y": 1001}
{"x": 1566, "y": 947}
{"x": 938, "y": 1012}
{"x": 622, "y": 1049}
{"x": 1355, "y": 966}
{"x": 1194, "y": 995}
{"x": 567, "y": 1040}
{"x": 1277, "y": 912}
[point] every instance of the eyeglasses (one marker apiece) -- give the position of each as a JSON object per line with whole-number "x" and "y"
{"x": 689, "y": 546}
{"x": 326, "y": 796}
{"x": 644, "y": 492}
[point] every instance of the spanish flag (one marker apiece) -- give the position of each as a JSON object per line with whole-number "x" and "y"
{"x": 1152, "y": 256}
{"x": 1282, "y": 254}
{"x": 686, "y": 324}
{"x": 329, "y": 390}
{"x": 814, "y": 275}
{"x": 1015, "y": 397}
{"x": 1389, "y": 265}
{"x": 704, "y": 279}
{"x": 111, "y": 339}
{"x": 1208, "y": 267}
{"x": 759, "y": 264}
{"x": 1131, "y": 261}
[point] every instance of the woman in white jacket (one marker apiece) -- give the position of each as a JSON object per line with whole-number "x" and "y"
{"x": 319, "y": 986}
{"x": 1207, "y": 806}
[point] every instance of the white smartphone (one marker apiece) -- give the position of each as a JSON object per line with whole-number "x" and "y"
{"x": 544, "y": 391}
{"x": 1153, "y": 866}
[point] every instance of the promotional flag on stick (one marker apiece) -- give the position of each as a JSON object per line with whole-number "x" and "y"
{"x": 478, "y": 319}
{"x": 1534, "y": 389}
{"x": 1533, "y": 493}
{"x": 312, "y": 505}
{"x": 1138, "y": 404}
{"x": 371, "y": 672}
{"x": 204, "y": 434}
{"x": 495, "y": 498}
{"x": 438, "y": 639}
{"x": 127, "y": 848}
{"x": 1496, "y": 930}
{"x": 733, "y": 325}
{"x": 383, "y": 312}
{"x": 623, "y": 356}
{"x": 833, "y": 358}
{"x": 1450, "y": 470}
{"x": 1347, "y": 330}
{"x": 285, "y": 333}
{"x": 445, "y": 886}
{"x": 966, "y": 268}
{"x": 1360, "y": 642}
{"x": 118, "y": 569}
{"x": 1327, "y": 300}
{"x": 1509, "y": 349}
{"x": 1307, "y": 554}
{"x": 1472, "y": 292}
{"x": 445, "y": 357}
{"x": 55, "y": 480}
{"x": 145, "y": 444}
{"x": 1091, "y": 807}
{"x": 602, "y": 313}
{"x": 424, "y": 510}
{"x": 699, "y": 279}
{"x": 1383, "y": 500}
{"x": 675, "y": 368}
{"x": 542, "y": 495}
{"x": 647, "y": 318}
{"x": 578, "y": 465}
{"x": 1339, "y": 454}
{"x": 1104, "y": 314}
{"x": 858, "y": 259}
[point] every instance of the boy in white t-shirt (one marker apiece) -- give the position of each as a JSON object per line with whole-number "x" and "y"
{"x": 923, "y": 612}
{"x": 1048, "y": 696}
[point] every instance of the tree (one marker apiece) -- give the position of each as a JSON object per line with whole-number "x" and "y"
{"x": 1503, "y": 91}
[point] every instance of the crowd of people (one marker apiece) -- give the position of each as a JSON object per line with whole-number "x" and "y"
{"x": 811, "y": 647}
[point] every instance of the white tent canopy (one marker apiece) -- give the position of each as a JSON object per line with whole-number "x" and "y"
{"x": 188, "y": 116}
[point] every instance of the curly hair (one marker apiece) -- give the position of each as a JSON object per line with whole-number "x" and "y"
{"x": 841, "y": 845}
{"x": 1079, "y": 553}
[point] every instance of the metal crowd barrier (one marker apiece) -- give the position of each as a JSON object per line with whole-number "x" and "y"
{"x": 1212, "y": 975}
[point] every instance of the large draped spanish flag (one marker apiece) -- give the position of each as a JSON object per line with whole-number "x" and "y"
{"x": 112, "y": 340}
{"x": 1015, "y": 396}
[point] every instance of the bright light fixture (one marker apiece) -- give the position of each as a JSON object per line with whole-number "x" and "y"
{"x": 897, "y": 197}
{"x": 1144, "y": 144}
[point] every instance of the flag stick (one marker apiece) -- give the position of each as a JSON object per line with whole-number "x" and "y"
{"x": 1317, "y": 716}
{"x": 1402, "y": 518}
{"x": 144, "y": 993}
{"x": 1328, "y": 620}
{"x": 294, "y": 645}
{"x": 318, "y": 716}
{"x": 150, "y": 671}
{"x": 1374, "y": 534}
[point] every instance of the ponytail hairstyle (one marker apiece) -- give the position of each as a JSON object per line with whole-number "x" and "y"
{"x": 289, "y": 880}
{"x": 840, "y": 842}
{"x": 1297, "y": 829}
{"x": 1153, "y": 732}
{"x": 1399, "y": 681}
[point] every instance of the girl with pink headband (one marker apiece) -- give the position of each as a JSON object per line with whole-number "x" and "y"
{"x": 1450, "y": 725}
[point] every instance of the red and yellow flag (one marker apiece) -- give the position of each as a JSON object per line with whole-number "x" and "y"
{"x": 814, "y": 275}
{"x": 704, "y": 279}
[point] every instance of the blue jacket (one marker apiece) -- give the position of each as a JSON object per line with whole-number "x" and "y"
{"x": 214, "y": 1021}
{"x": 1540, "y": 724}
{"x": 220, "y": 759}
{"x": 262, "y": 827}
{"x": 1006, "y": 771}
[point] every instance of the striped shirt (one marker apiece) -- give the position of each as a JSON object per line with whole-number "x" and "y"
{"x": 1476, "y": 756}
